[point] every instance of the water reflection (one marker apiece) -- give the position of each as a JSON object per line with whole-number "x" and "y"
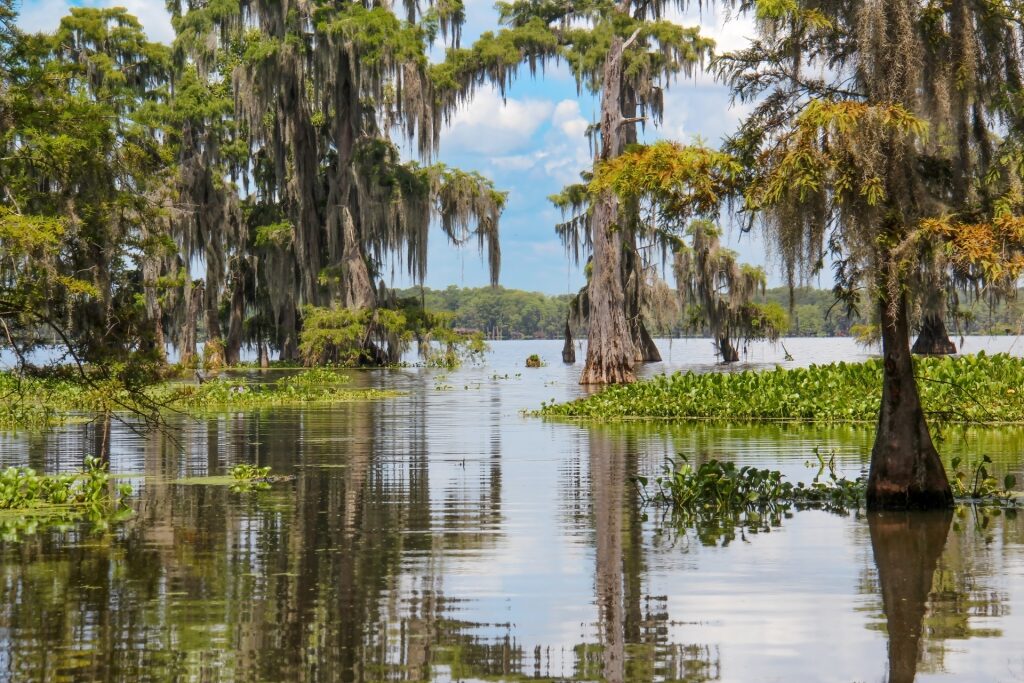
{"x": 633, "y": 633}
{"x": 444, "y": 536}
{"x": 906, "y": 548}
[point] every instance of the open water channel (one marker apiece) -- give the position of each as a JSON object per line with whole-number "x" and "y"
{"x": 445, "y": 536}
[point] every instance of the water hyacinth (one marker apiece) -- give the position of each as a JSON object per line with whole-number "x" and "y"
{"x": 983, "y": 389}
{"x": 29, "y": 501}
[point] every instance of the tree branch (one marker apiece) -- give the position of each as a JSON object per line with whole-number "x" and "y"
{"x": 631, "y": 119}
{"x": 629, "y": 42}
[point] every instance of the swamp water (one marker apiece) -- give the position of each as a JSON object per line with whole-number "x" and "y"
{"x": 445, "y": 536}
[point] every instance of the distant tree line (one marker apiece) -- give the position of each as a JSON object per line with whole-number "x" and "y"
{"x": 503, "y": 313}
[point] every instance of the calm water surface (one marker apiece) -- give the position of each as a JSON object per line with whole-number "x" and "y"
{"x": 444, "y": 536}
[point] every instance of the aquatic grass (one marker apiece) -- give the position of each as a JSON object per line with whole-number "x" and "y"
{"x": 979, "y": 389}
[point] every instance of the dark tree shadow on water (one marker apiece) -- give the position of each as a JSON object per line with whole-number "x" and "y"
{"x": 907, "y": 547}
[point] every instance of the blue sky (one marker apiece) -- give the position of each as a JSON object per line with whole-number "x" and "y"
{"x": 531, "y": 144}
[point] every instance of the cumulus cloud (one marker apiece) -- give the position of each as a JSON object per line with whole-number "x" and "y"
{"x": 491, "y": 125}
{"x": 45, "y": 15}
{"x": 568, "y": 119}
{"x": 560, "y": 154}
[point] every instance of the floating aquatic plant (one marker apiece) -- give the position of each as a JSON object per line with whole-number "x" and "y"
{"x": 30, "y": 501}
{"x": 981, "y": 389}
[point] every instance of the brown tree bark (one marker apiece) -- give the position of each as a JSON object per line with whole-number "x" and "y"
{"x": 568, "y": 350}
{"x": 907, "y": 547}
{"x": 187, "y": 353}
{"x": 906, "y": 472}
{"x": 359, "y": 292}
{"x": 288, "y": 334}
{"x": 609, "y": 344}
{"x": 646, "y": 350}
{"x": 933, "y": 340}
{"x": 236, "y": 319}
{"x": 728, "y": 351}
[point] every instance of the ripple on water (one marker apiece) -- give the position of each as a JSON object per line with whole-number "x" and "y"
{"x": 444, "y": 536}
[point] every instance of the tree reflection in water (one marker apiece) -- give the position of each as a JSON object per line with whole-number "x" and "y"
{"x": 375, "y": 563}
{"x": 907, "y": 547}
{"x": 633, "y": 628}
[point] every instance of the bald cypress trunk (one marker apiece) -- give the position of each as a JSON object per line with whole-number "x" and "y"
{"x": 568, "y": 350}
{"x": 906, "y": 472}
{"x": 610, "y": 349}
{"x": 288, "y": 334}
{"x": 728, "y": 351}
{"x": 236, "y": 319}
{"x": 187, "y": 353}
{"x": 646, "y": 350}
{"x": 933, "y": 340}
{"x": 907, "y": 547}
{"x": 213, "y": 354}
{"x": 359, "y": 293}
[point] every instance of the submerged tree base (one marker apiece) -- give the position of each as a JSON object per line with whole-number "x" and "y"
{"x": 933, "y": 339}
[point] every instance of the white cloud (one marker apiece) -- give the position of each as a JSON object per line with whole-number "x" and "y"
{"x": 568, "y": 119}
{"x": 516, "y": 162}
{"x": 45, "y": 15}
{"x": 561, "y": 154}
{"x": 491, "y": 125}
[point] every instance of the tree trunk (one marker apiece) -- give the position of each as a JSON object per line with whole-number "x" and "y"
{"x": 906, "y": 472}
{"x": 264, "y": 356}
{"x": 609, "y": 344}
{"x": 728, "y": 351}
{"x": 187, "y": 353}
{"x": 934, "y": 338}
{"x": 568, "y": 350}
{"x": 236, "y": 320}
{"x": 288, "y": 334}
{"x": 907, "y": 547}
{"x": 359, "y": 293}
{"x": 646, "y": 350}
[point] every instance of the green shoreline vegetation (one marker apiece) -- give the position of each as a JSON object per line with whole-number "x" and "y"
{"x": 977, "y": 389}
{"x": 39, "y": 402}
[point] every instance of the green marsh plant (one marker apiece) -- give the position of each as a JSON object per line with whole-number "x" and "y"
{"x": 980, "y": 389}
{"x": 30, "y": 501}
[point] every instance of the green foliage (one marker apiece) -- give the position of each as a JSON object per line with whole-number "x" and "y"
{"x": 29, "y": 501}
{"x": 82, "y": 169}
{"x": 250, "y": 478}
{"x": 983, "y": 389}
{"x": 38, "y": 402}
{"x": 350, "y": 338}
{"x": 716, "y": 498}
{"x": 534, "y": 361}
{"x": 975, "y": 482}
{"x": 497, "y": 311}
{"x": 680, "y": 181}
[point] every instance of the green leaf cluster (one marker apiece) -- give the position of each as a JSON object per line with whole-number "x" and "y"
{"x": 982, "y": 389}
